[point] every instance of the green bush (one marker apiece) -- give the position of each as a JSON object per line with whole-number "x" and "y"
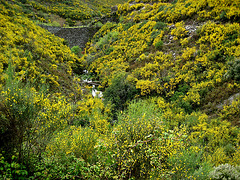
{"x": 56, "y": 24}
{"x": 108, "y": 38}
{"x": 160, "y": 25}
{"x": 187, "y": 164}
{"x": 233, "y": 70}
{"x": 225, "y": 171}
{"x": 159, "y": 45}
{"x": 178, "y": 98}
{"x": 109, "y": 50}
{"x": 17, "y": 112}
{"x": 120, "y": 91}
{"x": 154, "y": 34}
{"x": 137, "y": 133}
{"x": 76, "y": 50}
{"x": 66, "y": 167}
{"x": 98, "y": 24}
{"x": 70, "y": 22}
{"x": 12, "y": 169}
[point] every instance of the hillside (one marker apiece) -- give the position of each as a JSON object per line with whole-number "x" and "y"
{"x": 169, "y": 74}
{"x": 63, "y": 13}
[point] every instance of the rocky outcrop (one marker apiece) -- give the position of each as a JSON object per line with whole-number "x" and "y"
{"x": 79, "y": 36}
{"x": 52, "y": 29}
{"x": 228, "y": 101}
{"x": 74, "y": 36}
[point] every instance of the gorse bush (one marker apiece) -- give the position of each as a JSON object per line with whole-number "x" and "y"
{"x": 168, "y": 71}
{"x": 18, "y": 113}
{"x": 231, "y": 112}
{"x": 38, "y": 56}
{"x": 160, "y": 25}
{"x": 108, "y": 38}
{"x": 77, "y": 141}
{"x": 188, "y": 164}
{"x": 143, "y": 143}
{"x": 92, "y": 112}
{"x": 69, "y": 11}
{"x": 28, "y": 119}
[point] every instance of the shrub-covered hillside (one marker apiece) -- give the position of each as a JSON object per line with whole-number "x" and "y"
{"x": 169, "y": 75}
{"x": 63, "y": 13}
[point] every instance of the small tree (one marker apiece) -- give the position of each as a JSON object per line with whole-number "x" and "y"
{"x": 120, "y": 91}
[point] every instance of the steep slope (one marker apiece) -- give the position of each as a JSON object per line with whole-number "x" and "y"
{"x": 169, "y": 72}
{"x": 63, "y": 13}
{"x": 37, "y": 56}
{"x": 184, "y": 50}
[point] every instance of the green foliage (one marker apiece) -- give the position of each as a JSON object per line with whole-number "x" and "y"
{"x": 54, "y": 127}
{"x": 17, "y": 114}
{"x": 178, "y": 99}
{"x": 108, "y": 38}
{"x": 160, "y": 25}
{"x": 64, "y": 167}
{"x": 120, "y": 91}
{"x": 77, "y": 50}
{"x": 78, "y": 141}
{"x": 70, "y": 22}
{"x": 56, "y": 24}
{"x": 109, "y": 50}
{"x": 233, "y": 70}
{"x": 159, "y": 45}
{"x": 188, "y": 164}
{"x": 128, "y": 25}
{"x": 12, "y": 169}
{"x": 98, "y": 24}
{"x": 154, "y": 34}
{"x": 223, "y": 16}
{"x": 225, "y": 171}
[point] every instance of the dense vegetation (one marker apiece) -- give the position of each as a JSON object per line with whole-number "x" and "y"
{"x": 168, "y": 71}
{"x": 63, "y": 13}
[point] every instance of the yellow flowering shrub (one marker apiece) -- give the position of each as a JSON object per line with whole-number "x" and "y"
{"x": 236, "y": 155}
{"x": 143, "y": 144}
{"x": 37, "y": 55}
{"x": 231, "y": 112}
{"x": 219, "y": 157}
{"x": 73, "y": 9}
{"x": 179, "y": 31}
{"x": 92, "y": 111}
{"x": 213, "y": 136}
{"x": 74, "y": 140}
{"x": 31, "y": 116}
{"x": 159, "y": 77}
{"x": 181, "y": 10}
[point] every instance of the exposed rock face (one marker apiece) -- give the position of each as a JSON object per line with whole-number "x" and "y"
{"x": 228, "y": 101}
{"x": 52, "y": 29}
{"x": 74, "y": 36}
{"x": 79, "y": 36}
